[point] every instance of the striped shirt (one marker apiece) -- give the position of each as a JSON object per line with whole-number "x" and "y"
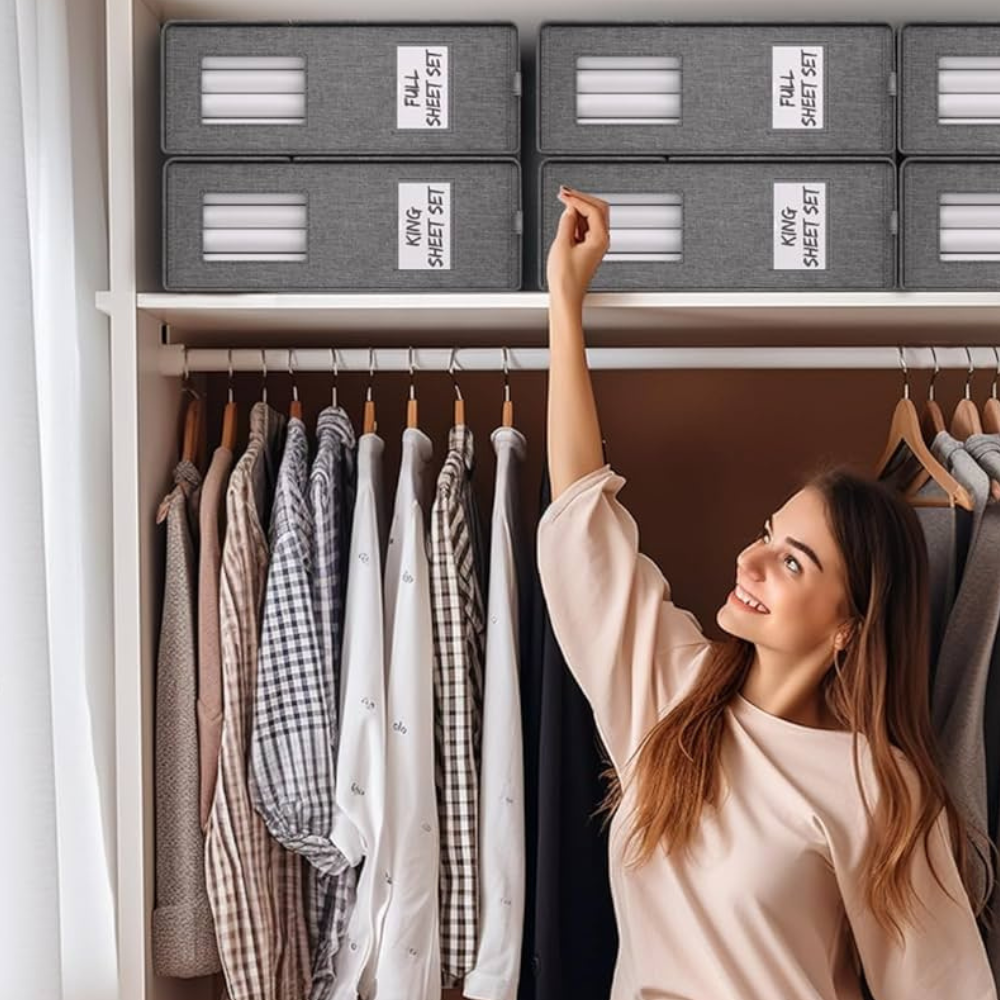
{"x": 254, "y": 884}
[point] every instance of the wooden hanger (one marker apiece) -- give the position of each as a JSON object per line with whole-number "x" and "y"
{"x": 192, "y": 418}
{"x": 295, "y": 408}
{"x": 508, "y": 406}
{"x": 965, "y": 420}
{"x": 458, "y": 417}
{"x": 905, "y": 430}
{"x": 229, "y": 415}
{"x": 370, "y": 425}
{"x": 192, "y": 429}
{"x": 931, "y": 424}
{"x": 411, "y": 405}
{"x": 991, "y": 410}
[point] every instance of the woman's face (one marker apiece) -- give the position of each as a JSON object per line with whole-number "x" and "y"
{"x": 796, "y": 571}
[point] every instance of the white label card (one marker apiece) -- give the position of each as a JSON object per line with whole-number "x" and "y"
{"x": 798, "y": 86}
{"x": 424, "y": 226}
{"x": 800, "y": 230}
{"x": 422, "y": 86}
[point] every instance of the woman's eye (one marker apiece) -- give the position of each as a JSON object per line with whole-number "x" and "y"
{"x": 764, "y": 535}
{"x": 795, "y": 562}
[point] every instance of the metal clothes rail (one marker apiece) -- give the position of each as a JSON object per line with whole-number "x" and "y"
{"x": 176, "y": 359}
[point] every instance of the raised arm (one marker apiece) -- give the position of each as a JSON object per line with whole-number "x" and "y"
{"x": 574, "y": 435}
{"x": 628, "y": 645}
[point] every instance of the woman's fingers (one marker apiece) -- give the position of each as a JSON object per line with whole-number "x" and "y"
{"x": 567, "y": 225}
{"x": 596, "y": 215}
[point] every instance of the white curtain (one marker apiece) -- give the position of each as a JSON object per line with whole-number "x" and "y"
{"x": 57, "y": 779}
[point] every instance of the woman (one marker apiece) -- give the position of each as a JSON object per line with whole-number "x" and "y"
{"x": 778, "y": 818}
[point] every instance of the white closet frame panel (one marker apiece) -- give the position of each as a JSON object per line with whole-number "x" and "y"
{"x": 145, "y": 404}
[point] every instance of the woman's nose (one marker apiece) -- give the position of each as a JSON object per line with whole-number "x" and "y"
{"x": 751, "y": 561}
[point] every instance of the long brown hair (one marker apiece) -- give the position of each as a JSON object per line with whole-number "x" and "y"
{"x": 878, "y": 687}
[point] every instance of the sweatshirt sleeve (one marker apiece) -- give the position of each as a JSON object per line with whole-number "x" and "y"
{"x": 628, "y": 645}
{"x": 942, "y": 952}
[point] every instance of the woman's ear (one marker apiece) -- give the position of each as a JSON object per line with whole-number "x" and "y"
{"x": 843, "y": 635}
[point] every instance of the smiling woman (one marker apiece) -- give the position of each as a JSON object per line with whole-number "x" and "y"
{"x": 780, "y": 826}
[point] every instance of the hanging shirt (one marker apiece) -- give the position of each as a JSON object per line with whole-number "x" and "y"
{"x": 255, "y": 884}
{"x": 291, "y": 775}
{"x": 360, "y": 780}
{"x": 958, "y": 695}
{"x": 501, "y": 792}
{"x": 183, "y": 933}
{"x": 409, "y": 957}
{"x": 570, "y": 935}
{"x": 459, "y": 628}
{"x": 769, "y": 901}
{"x": 331, "y": 502}
{"x": 212, "y": 522}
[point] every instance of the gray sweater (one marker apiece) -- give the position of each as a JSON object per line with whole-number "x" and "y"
{"x": 958, "y": 694}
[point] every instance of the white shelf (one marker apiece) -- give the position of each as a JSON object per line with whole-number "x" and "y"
{"x": 975, "y": 314}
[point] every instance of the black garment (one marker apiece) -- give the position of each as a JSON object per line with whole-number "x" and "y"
{"x": 570, "y": 936}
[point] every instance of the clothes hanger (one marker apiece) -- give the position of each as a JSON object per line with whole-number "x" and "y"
{"x": 459, "y": 413}
{"x": 508, "y": 406}
{"x": 931, "y": 423}
{"x": 965, "y": 420}
{"x": 370, "y": 424}
{"x": 263, "y": 376}
{"x": 229, "y": 414}
{"x": 295, "y": 408}
{"x": 411, "y": 406}
{"x": 905, "y": 430}
{"x": 192, "y": 418}
{"x": 991, "y": 411}
{"x": 336, "y": 373}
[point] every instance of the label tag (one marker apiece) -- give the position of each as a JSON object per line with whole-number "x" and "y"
{"x": 424, "y": 226}
{"x": 422, "y": 86}
{"x": 798, "y": 86}
{"x": 800, "y": 231}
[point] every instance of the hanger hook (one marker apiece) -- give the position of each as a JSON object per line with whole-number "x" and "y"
{"x": 968, "y": 377}
{"x": 230, "y": 359}
{"x": 336, "y": 372}
{"x": 993, "y": 388}
{"x": 451, "y": 372}
{"x": 263, "y": 369}
{"x": 291, "y": 373}
{"x": 906, "y": 373}
{"x": 371, "y": 373}
{"x": 186, "y": 372}
{"x": 409, "y": 354}
{"x": 937, "y": 370}
{"x": 506, "y": 376}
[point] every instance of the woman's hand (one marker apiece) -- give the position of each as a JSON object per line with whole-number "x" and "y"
{"x": 580, "y": 243}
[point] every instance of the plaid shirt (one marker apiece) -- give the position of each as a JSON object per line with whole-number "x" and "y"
{"x": 332, "y": 484}
{"x": 459, "y": 639}
{"x": 254, "y": 884}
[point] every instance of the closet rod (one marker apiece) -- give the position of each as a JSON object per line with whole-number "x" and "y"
{"x": 397, "y": 359}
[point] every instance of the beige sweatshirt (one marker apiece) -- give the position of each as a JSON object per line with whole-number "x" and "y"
{"x": 768, "y": 902}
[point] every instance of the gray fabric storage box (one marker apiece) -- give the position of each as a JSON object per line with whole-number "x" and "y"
{"x": 720, "y": 225}
{"x": 342, "y": 225}
{"x": 949, "y": 88}
{"x": 726, "y": 89}
{"x": 950, "y": 223}
{"x": 409, "y": 89}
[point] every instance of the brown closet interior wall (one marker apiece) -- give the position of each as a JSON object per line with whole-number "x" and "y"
{"x": 707, "y": 454}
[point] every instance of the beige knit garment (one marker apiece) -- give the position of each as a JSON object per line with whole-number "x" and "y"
{"x": 767, "y": 903}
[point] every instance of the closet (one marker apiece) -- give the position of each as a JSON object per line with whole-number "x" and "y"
{"x": 755, "y": 390}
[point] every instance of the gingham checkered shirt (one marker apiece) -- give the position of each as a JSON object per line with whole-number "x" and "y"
{"x": 332, "y": 484}
{"x": 459, "y": 639}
